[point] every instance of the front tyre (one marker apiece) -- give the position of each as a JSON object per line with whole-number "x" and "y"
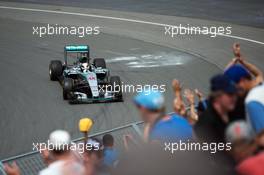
{"x": 65, "y": 94}
{"x": 99, "y": 62}
{"x": 55, "y": 69}
{"x": 67, "y": 88}
{"x": 116, "y": 86}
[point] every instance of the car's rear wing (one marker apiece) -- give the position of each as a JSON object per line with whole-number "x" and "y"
{"x": 76, "y": 48}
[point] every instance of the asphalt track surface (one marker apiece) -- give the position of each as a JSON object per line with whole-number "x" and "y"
{"x": 32, "y": 106}
{"x": 245, "y": 12}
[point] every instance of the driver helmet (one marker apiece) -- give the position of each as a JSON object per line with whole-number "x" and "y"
{"x": 83, "y": 59}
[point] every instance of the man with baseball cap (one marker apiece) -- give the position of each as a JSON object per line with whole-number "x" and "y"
{"x": 213, "y": 121}
{"x": 158, "y": 125}
{"x": 249, "y": 79}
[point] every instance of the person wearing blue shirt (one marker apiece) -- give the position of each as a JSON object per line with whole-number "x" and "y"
{"x": 158, "y": 125}
{"x": 171, "y": 128}
{"x": 110, "y": 159}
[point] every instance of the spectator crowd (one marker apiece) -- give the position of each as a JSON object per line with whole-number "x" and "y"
{"x": 233, "y": 112}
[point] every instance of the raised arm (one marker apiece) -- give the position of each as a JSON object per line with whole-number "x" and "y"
{"x": 249, "y": 66}
{"x": 178, "y": 104}
{"x": 252, "y": 69}
{"x": 189, "y": 95}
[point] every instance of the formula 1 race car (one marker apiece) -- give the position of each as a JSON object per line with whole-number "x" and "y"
{"x": 83, "y": 81}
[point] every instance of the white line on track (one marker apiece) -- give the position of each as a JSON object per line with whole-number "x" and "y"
{"x": 119, "y": 19}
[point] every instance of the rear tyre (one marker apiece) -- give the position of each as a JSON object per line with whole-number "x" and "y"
{"x": 115, "y": 83}
{"x": 67, "y": 88}
{"x": 99, "y": 62}
{"x": 55, "y": 69}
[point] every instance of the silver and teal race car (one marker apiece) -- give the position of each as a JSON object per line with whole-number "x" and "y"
{"x": 84, "y": 80}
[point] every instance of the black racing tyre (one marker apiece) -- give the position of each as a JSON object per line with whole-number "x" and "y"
{"x": 55, "y": 69}
{"x": 67, "y": 88}
{"x": 116, "y": 83}
{"x": 99, "y": 62}
{"x": 65, "y": 95}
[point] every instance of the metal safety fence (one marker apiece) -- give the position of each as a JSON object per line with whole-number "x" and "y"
{"x": 31, "y": 163}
